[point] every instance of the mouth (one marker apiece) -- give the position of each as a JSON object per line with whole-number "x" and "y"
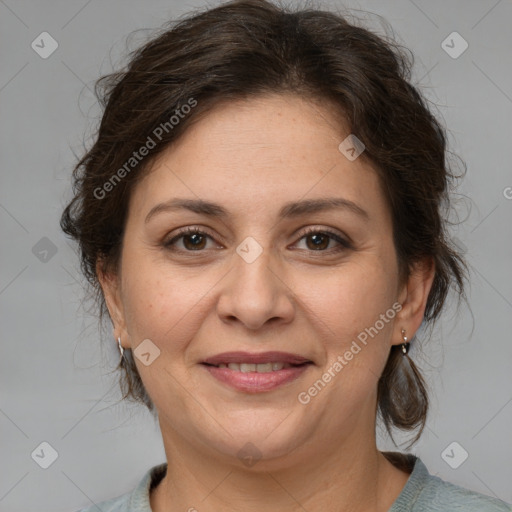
{"x": 255, "y": 373}
{"x": 262, "y": 362}
{"x": 259, "y": 368}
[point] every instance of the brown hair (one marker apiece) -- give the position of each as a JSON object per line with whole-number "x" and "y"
{"x": 250, "y": 47}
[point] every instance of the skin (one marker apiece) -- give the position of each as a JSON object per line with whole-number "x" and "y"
{"x": 252, "y": 157}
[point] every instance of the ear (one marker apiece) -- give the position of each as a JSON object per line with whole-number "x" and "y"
{"x": 413, "y": 297}
{"x": 110, "y": 285}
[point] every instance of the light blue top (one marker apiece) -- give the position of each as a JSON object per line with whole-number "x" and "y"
{"x": 422, "y": 493}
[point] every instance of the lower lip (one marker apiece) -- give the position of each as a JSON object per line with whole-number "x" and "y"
{"x": 254, "y": 382}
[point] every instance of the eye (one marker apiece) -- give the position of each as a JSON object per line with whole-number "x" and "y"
{"x": 193, "y": 240}
{"x": 319, "y": 240}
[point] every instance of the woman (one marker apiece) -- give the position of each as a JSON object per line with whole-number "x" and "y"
{"x": 260, "y": 216}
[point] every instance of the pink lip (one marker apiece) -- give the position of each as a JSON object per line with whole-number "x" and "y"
{"x": 255, "y": 358}
{"x": 254, "y": 382}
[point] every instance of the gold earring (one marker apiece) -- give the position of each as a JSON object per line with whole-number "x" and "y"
{"x": 406, "y": 343}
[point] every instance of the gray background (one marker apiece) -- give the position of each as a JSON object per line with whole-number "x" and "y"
{"x": 56, "y": 379}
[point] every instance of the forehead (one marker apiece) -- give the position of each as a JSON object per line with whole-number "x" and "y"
{"x": 274, "y": 128}
{"x": 254, "y": 155}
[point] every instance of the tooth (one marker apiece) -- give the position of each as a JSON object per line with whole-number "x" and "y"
{"x": 251, "y": 367}
{"x": 264, "y": 367}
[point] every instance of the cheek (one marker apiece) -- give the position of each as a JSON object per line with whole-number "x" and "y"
{"x": 157, "y": 311}
{"x": 153, "y": 302}
{"x": 352, "y": 298}
{"x": 356, "y": 308}
{"x": 162, "y": 308}
{"x": 162, "y": 304}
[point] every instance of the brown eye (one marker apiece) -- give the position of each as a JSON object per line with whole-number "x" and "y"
{"x": 319, "y": 240}
{"x": 193, "y": 240}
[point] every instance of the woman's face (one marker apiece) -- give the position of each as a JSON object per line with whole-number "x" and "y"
{"x": 275, "y": 278}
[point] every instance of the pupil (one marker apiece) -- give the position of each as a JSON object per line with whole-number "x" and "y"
{"x": 318, "y": 240}
{"x": 194, "y": 239}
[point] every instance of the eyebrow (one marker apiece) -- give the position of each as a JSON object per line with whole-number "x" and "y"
{"x": 288, "y": 210}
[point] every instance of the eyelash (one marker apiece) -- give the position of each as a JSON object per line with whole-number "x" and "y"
{"x": 343, "y": 244}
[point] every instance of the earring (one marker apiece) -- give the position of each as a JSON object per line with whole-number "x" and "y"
{"x": 406, "y": 343}
{"x": 121, "y": 349}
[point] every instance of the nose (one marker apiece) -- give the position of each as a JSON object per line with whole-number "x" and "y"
{"x": 256, "y": 293}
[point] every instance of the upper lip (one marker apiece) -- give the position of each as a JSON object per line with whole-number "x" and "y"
{"x": 256, "y": 358}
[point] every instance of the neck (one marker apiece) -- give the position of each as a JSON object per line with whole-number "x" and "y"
{"x": 352, "y": 476}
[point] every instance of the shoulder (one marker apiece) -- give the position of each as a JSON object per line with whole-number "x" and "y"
{"x": 136, "y": 500}
{"x": 441, "y": 495}
{"x": 424, "y": 492}
{"x": 119, "y": 504}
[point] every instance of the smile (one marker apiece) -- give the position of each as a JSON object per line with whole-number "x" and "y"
{"x": 256, "y": 373}
{"x": 252, "y": 367}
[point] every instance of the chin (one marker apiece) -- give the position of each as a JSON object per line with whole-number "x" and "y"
{"x": 262, "y": 443}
